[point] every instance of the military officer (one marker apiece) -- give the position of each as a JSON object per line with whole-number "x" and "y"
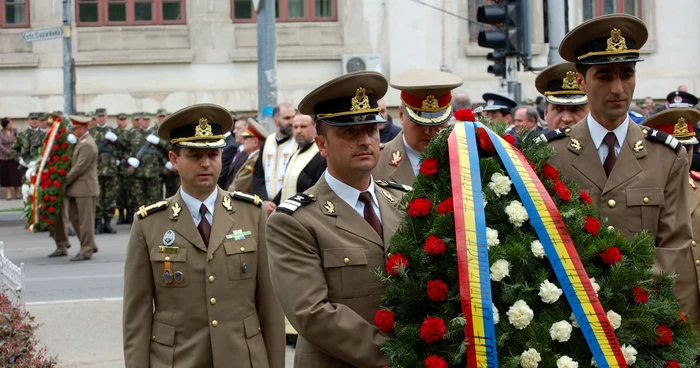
{"x": 678, "y": 122}
{"x": 253, "y": 138}
{"x": 123, "y": 186}
{"x": 106, "y": 139}
{"x": 426, "y": 107}
{"x": 499, "y": 108}
{"x": 197, "y": 289}
{"x": 637, "y": 177}
{"x": 566, "y": 104}
{"x": 81, "y": 192}
{"x": 325, "y": 242}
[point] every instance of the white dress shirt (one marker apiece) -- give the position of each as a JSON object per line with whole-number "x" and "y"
{"x": 351, "y": 196}
{"x": 598, "y": 133}
{"x": 413, "y": 157}
{"x": 193, "y": 204}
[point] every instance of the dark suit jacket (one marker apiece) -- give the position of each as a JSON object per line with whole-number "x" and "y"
{"x": 226, "y": 157}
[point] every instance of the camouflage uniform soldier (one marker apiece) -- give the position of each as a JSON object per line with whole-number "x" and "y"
{"x": 105, "y": 138}
{"x": 28, "y": 144}
{"x": 145, "y": 165}
{"x": 170, "y": 177}
{"x": 123, "y": 191}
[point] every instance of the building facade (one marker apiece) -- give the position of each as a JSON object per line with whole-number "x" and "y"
{"x": 140, "y": 55}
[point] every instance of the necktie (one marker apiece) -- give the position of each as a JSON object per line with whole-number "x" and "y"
{"x": 370, "y": 215}
{"x": 609, "y": 162}
{"x": 204, "y": 226}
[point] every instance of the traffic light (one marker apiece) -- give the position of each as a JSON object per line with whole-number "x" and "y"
{"x": 499, "y": 64}
{"x": 505, "y": 37}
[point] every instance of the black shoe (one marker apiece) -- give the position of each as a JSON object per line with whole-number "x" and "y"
{"x": 122, "y": 219}
{"x": 129, "y": 218}
{"x": 80, "y": 257}
{"x": 58, "y": 253}
{"x": 98, "y": 226}
{"x": 107, "y": 227}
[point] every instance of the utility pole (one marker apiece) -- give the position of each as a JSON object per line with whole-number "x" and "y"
{"x": 267, "y": 63}
{"x": 68, "y": 86}
{"x": 557, "y": 29}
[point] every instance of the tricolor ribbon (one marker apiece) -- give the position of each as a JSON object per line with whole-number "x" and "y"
{"x": 45, "y": 156}
{"x": 561, "y": 252}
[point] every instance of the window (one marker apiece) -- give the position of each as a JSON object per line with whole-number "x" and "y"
{"x": 14, "y": 13}
{"x": 242, "y": 11}
{"x": 474, "y": 27}
{"x": 93, "y": 13}
{"x": 595, "y": 8}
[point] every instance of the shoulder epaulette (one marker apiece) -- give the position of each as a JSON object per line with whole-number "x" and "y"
{"x": 292, "y": 204}
{"x": 150, "y": 209}
{"x": 661, "y": 137}
{"x": 695, "y": 174}
{"x": 250, "y": 198}
{"x": 381, "y": 146}
{"x": 555, "y": 134}
{"x": 393, "y": 185}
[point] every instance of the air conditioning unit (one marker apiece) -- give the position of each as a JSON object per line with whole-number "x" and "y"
{"x": 361, "y": 62}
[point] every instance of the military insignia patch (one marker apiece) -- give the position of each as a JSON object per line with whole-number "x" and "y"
{"x": 638, "y": 146}
{"x": 147, "y": 210}
{"x": 654, "y": 135}
{"x": 575, "y": 144}
{"x": 226, "y": 202}
{"x": 254, "y": 199}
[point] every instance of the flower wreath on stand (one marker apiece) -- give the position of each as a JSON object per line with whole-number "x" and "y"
{"x": 47, "y": 177}
{"x": 500, "y": 261}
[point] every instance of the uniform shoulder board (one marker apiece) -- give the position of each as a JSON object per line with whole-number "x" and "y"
{"x": 292, "y": 204}
{"x": 245, "y": 197}
{"x": 381, "y": 146}
{"x": 661, "y": 137}
{"x": 695, "y": 174}
{"x": 393, "y": 185}
{"x": 555, "y": 134}
{"x": 150, "y": 209}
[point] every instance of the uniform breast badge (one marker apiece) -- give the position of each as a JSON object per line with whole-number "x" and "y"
{"x": 167, "y": 271}
{"x": 168, "y": 241}
{"x": 179, "y": 277}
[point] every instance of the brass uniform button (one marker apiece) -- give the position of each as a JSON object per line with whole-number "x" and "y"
{"x": 645, "y": 131}
{"x": 214, "y": 323}
{"x": 697, "y": 262}
{"x": 346, "y": 260}
{"x": 646, "y": 199}
{"x": 153, "y": 338}
{"x": 211, "y": 279}
{"x": 567, "y": 130}
{"x": 388, "y": 255}
{"x": 167, "y": 259}
{"x": 611, "y": 203}
{"x": 242, "y": 249}
{"x": 212, "y": 301}
{"x": 211, "y": 257}
{"x": 694, "y": 243}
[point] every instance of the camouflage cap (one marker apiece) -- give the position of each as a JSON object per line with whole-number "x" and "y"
{"x": 121, "y": 115}
{"x": 161, "y": 112}
{"x": 101, "y": 111}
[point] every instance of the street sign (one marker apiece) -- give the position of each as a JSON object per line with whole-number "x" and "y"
{"x": 42, "y": 34}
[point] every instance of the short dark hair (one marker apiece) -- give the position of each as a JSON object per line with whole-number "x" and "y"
{"x": 320, "y": 127}
{"x": 583, "y": 68}
{"x": 5, "y": 122}
{"x": 176, "y": 149}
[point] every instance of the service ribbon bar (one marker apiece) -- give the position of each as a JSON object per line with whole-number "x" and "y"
{"x": 572, "y": 276}
{"x": 472, "y": 250}
{"x": 45, "y": 156}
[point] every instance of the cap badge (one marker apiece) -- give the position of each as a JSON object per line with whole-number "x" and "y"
{"x": 203, "y": 129}
{"x": 678, "y": 99}
{"x": 570, "y": 81}
{"x": 430, "y": 103}
{"x": 490, "y": 103}
{"x": 616, "y": 42}
{"x": 360, "y": 101}
{"x": 681, "y": 127}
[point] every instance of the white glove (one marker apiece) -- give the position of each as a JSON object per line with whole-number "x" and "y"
{"x": 169, "y": 165}
{"x": 153, "y": 139}
{"x": 111, "y": 136}
{"x": 133, "y": 161}
{"x": 21, "y": 162}
{"x": 118, "y": 162}
{"x": 72, "y": 139}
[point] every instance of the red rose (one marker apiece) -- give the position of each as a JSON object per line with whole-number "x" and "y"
{"x": 63, "y": 130}
{"x": 46, "y": 198}
{"x": 664, "y": 335}
{"x": 419, "y": 207}
{"x": 464, "y": 115}
{"x": 65, "y": 158}
{"x": 433, "y": 329}
{"x": 434, "y": 246}
{"x": 52, "y": 209}
{"x": 56, "y": 183}
{"x": 55, "y": 158}
{"x": 45, "y": 176}
{"x": 54, "y": 148}
{"x": 673, "y": 364}
{"x": 484, "y": 140}
{"x": 394, "y": 262}
{"x": 434, "y": 361}
{"x": 45, "y": 185}
{"x": 429, "y": 166}
{"x": 550, "y": 172}
{"x": 33, "y": 179}
{"x": 509, "y": 138}
{"x": 58, "y": 136}
{"x": 640, "y": 295}
{"x": 64, "y": 145}
{"x": 585, "y": 198}
{"x": 49, "y": 221}
{"x": 58, "y": 120}
{"x": 446, "y": 206}
{"x": 681, "y": 316}
{"x": 562, "y": 191}
{"x": 52, "y": 169}
{"x": 437, "y": 290}
{"x": 62, "y": 172}
{"x": 592, "y": 226}
{"x": 53, "y": 198}
{"x": 42, "y": 217}
{"x": 384, "y": 319}
{"x": 610, "y": 256}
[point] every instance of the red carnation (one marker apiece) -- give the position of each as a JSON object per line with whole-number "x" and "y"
{"x": 45, "y": 176}
{"x": 62, "y": 172}
{"x": 640, "y": 295}
{"x": 509, "y": 138}
{"x": 419, "y": 207}
{"x": 53, "y": 198}
{"x": 433, "y": 329}
{"x": 550, "y": 172}
{"x": 33, "y": 179}
{"x": 484, "y": 140}
{"x": 52, "y": 209}
{"x": 435, "y": 361}
{"x": 56, "y": 183}
{"x": 665, "y": 336}
{"x": 58, "y": 120}
{"x": 58, "y": 136}
{"x": 52, "y": 169}
{"x": 43, "y": 206}
{"x": 591, "y": 225}
{"x": 437, "y": 290}
{"x": 49, "y": 221}
{"x": 54, "y": 148}
{"x": 63, "y": 130}
{"x": 46, "y": 198}
{"x": 585, "y": 198}
{"x": 45, "y": 185}
{"x": 42, "y": 217}
{"x": 673, "y": 364}
{"x": 434, "y": 246}
{"x": 65, "y": 158}
{"x": 384, "y": 319}
{"x": 464, "y": 115}
{"x": 55, "y": 158}
{"x": 429, "y": 166}
{"x": 610, "y": 256}
{"x": 562, "y": 191}
{"x": 64, "y": 145}
{"x": 681, "y": 316}
{"x": 394, "y": 262}
{"x": 446, "y": 206}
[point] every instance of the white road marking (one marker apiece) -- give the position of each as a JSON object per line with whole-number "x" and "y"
{"x": 41, "y": 279}
{"x": 92, "y": 300}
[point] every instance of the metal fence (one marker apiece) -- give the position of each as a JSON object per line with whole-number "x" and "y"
{"x": 11, "y": 278}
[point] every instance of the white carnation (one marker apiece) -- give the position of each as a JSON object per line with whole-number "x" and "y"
{"x": 517, "y": 214}
{"x": 573, "y": 320}
{"x": 549, "y": 292}
{"x": 500, "y": 184}
{"x": 500, "y": 269}
{"x": 496, "y": 317}
{"x": 595, "y": 285}
{"x": 25, "y": 192}
{"x": 530, "y": 358}
{"x": 520, "y": 315}
{"x": 560, "y": 331}
{"x": 492, "y": 237}
{"x": 537, "y": 249}
{"x": 615, "y": 319}
{"x": 566, "y": 362}
{"x": 630, "y": 354}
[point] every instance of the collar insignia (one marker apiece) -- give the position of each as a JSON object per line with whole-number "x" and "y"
{"x": 638, "y": 146}
{"x": 575, "y": 144}
{"x": 227, "y": 203}
{"x": 329, "y": 207}
{"x": 395, "y": 158}
{"x": 176, "y": 210}
{"x": 388, "y": 196}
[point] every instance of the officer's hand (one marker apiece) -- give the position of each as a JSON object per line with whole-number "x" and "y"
{"x": 269, "y": 207}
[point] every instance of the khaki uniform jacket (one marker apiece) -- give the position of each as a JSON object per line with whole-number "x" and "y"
{"x": 243, "y": 179}
{"x": 647, "y": 189}
{"x": 223, "y": 312}
{"x": 81, "y": 179}
{"x": 394, "y": 164}
{"x": 695, "y": 250}
{"x": 323, "y": 256}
